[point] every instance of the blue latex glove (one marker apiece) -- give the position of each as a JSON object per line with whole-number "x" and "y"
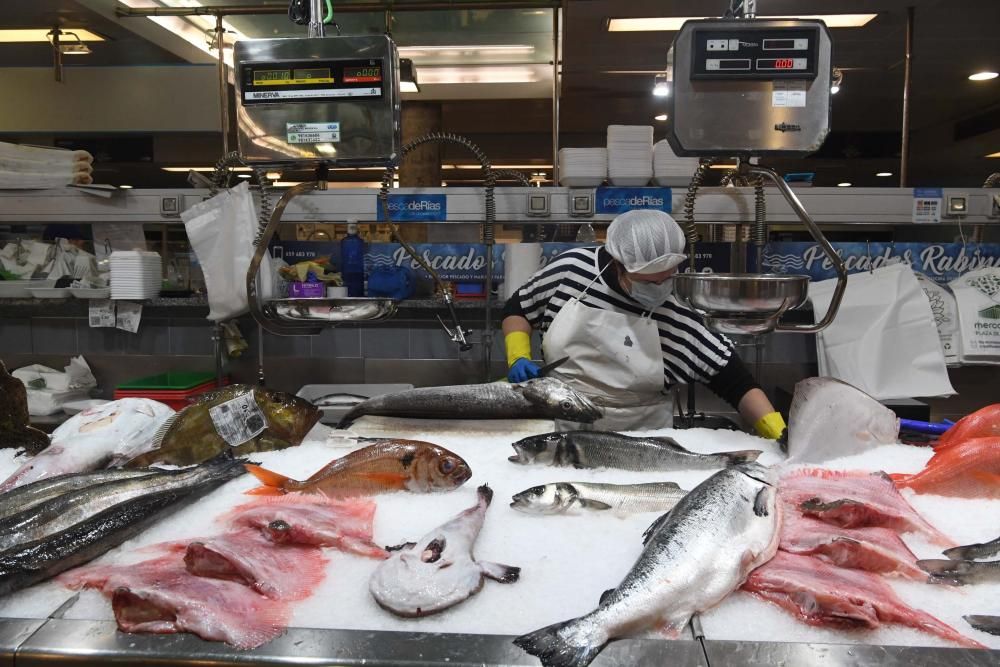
{"x": 523, "y": 370}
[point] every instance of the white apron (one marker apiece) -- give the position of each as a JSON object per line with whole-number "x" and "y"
{"x": 615, "y": 360}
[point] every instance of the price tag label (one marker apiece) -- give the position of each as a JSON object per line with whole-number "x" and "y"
{"x": 129, "y": 315}
{"x": 101, "y": 313}
{"x": 238, "y": 420}
{"x": 927, "y": 205}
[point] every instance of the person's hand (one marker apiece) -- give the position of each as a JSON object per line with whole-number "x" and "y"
{"x": 770, "y": 426}
{"x": 523, "y": 370}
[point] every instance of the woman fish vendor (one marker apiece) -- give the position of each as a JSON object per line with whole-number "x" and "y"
{"x": 611, "y": 311}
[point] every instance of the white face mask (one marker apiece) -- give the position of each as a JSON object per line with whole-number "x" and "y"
{"x": 651, "y": 295}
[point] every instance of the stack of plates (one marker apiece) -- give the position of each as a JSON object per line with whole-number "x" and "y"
{"x": 630, "y": 154}
{"x": 135, "y": 274}
{"x": 582, "y": 167}
{"x": 668, "y": 169}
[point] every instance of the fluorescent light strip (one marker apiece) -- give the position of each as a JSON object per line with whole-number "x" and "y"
{"x": 480, "y": 74}
{"x": 497, "y": 166}
{"x": 997, "y": 154}
{"x": 185, "y": 170}
{"x": 673, "y": 23}
{"x": 466, "y": 49}
{"x": 191, "y": 31}
{"x": 41, "y": 35}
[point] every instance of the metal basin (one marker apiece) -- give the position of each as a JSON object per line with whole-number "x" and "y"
{"x": 345, "y": 309}
{"x": 741, "y": 303}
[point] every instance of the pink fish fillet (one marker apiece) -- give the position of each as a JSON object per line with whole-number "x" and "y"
{"x": 828, "y": 596}
{"x": 278, "y": 571}
{"x": 854, "y": 500}
{"x": 872, "y": 549}
{"x": 344, "y": 524}
{"x": 160, "y": 596}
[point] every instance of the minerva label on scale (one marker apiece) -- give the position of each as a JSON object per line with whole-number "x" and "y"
{"x": 312, "y": 133}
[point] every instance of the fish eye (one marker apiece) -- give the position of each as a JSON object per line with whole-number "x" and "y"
{"x": 447, "y": 465}
{"x": 566, "y": 405}
{"x": 536, "y": 490}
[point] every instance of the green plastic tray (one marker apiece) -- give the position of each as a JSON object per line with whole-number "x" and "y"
{"x": 175, "y": 381}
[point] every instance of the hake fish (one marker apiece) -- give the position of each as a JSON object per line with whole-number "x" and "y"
{"x": 238, "y": 419}
{"x": 561, "y": 497}
{"x": 960, "y": 572}
{"x": 25, "y": 497}
{"x": 541, "y": 398}
{"x": 339, "y": 400}
{"x": 694, "y": 556}
{"x": 387, "y": 465}
{"x": 439, "y": 570}
{"x": 974, "y": 551}
{"x": 603, "y": 449}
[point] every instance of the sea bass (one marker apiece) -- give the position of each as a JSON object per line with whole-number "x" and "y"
{"x": 93, "y": 438}
{"x": 694, "y": 556}
{"x": 960, "y": 572}
{"x": 975, "y": 551}
{"x": 29, "y": 495}
{"x": 312, "y": 520}
{"x": 160, "y": 596}
{"x": 37, "y": 561}
{"x": 983, "y": 423}
{"x": 854, "y": 500}
{"x": 16, "y": 431}
{"x": 603, "y": 449}
{"x": 238, "y": 419}
{"x": 561, "y": 497}
{"x": 872, "y": 549}
{"x": 830, "y": 419}
{"x": 828, "y": 596}
{"x": 541, "y": 398}
{"x": 387, "y": 465}
{"x": 439, "y": 570}
{"x": 966, "y": 469}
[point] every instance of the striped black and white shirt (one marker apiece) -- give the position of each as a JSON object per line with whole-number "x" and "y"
{"x": 691, "y": 353}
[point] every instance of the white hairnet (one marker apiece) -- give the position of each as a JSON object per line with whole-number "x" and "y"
{"x": 646, "y": 241}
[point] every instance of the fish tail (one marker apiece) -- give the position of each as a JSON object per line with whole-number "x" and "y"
{"x": 561, "y": 644}
{"x": 349, "y": 418}
{"x": 741, "y": 456}
{"x": 899, "y": 477}
{"x": 274, "y": 484}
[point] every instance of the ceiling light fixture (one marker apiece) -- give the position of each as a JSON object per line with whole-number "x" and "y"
{"x": 845, "y": 184}
{"x": 407, "y": 77}
{"x": 662, "y": 117}
{"x": 661, "y": 87}
{"x": 983, "y": 76}
{"x": 466, "y": 49}
{"x": 497, "y": 166}
{"x": 77, "y": 48}
{"x": 124, "y": 187}
{"x": 21, "y": 35}
{"x": 723, "y": 166}
{"x": 674, "y": 23}
{"x": 243, "y": 175}
{"x": 273, "y": 175}
{"x": 482, "y": 74}
{"x": 884, "y": 174}
{"x": 184, "y": 170}
{"x": 997, "y": 154}
{"x": 191, "y": 28}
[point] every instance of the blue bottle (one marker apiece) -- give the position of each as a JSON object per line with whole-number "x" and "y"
{"x": 352, "y": 257}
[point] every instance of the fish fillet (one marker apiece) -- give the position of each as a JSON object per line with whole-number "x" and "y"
{"x": 982, "y": 423}
{"x": 872, "y": 549}
{"x": 276, "y": 571}
{"x": 854, "y": 500}
{"x": 312, "y": 520}
{"x": 966, "y": 469}
{"x": 828, "y": 596}
{"x": 160, "y": 596}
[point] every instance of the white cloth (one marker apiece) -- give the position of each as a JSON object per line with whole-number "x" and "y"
{"x": 615, "y": 360}
{"x": 883, "y": 340}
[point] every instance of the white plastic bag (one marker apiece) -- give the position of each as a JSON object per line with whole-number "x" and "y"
{"x": 221, "y": 231}
{"x": 978, "y": 296}
{"x": 945, "y": 311}
{"x": 883, "y": 340}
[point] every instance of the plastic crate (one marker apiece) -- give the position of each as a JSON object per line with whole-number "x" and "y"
{"x": 176, "y": 399}
{"x": 169, "y": 381}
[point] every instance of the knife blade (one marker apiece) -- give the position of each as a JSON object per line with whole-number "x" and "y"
{"x": 547, "y": 368}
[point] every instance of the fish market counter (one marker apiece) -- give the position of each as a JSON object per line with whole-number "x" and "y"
{"x": 566, "y": 562}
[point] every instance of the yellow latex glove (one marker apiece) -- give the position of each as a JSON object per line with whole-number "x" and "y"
{"x": 770, "y": 426}
{"x": 518, "y": 344}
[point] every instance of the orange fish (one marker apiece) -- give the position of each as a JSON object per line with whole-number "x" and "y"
{"x": 387, "y": 465}
{"x": 967, "y": 469}
{"x": 983, "y": 423}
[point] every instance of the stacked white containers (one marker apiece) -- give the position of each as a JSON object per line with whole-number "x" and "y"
{"x": 135, "y": 274}
{"x": 630, "y": 155}
{"x": 582, "y": 167}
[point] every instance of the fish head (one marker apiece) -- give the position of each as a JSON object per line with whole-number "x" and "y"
{"x": 563, "y": 401}
{"x": 542, "y": 499}
{"x": 437, "y": 469}
{"x": 539, "y": 449}
{"x": 289, "y": 417}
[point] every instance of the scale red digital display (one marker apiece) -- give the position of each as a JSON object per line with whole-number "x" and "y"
{"x": 370, "y": 74}
{"x": 778, "y": 63}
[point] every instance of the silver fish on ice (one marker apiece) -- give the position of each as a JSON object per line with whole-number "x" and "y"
{"x": 694, "y": 556}
{"x": 562, "y": 497}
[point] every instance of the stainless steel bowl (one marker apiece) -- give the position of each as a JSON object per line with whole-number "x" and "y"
{"x": 346, "y": 309}
{"x": 741, "y": 303}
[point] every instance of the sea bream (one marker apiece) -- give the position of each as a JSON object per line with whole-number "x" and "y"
{"x": 438, "y": 571}
{"x": 604, "y": 449}
{"x": 541, "y": 398}
{"x": 694, "y": 557}
{"x": 562, "y": 497}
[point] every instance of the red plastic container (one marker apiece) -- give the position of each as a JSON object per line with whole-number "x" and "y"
{"x": 175, "y": 398}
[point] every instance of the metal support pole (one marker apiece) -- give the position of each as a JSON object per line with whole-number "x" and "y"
{"x": 220, "y": 43}
{"x": 555, "y": 95}
{"x": 316, "y": 18}
{"x": 57, "y": 55}
{"x": 904, "y": 152}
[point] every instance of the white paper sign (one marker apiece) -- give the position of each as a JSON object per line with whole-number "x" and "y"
{"x": 788, "y": 94}
{"x": 927, "y": 205}
{"x": 129, "y": 315}
{"x": 238, "y": 420}
{"x": 101, "y": 313}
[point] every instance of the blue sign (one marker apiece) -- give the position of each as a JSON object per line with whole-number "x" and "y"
{"x": 941, "y": 262}
{"x": 928, "y": 193}
{"x": 414, "y": 208}
{"x": 619, "y": 200}
{"x": 452, "y": 261}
